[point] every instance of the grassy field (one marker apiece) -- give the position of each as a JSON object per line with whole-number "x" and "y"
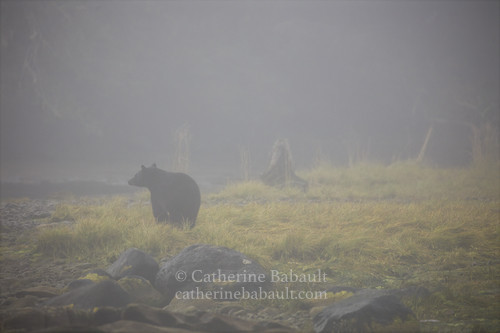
{"x": 367, "y": 226}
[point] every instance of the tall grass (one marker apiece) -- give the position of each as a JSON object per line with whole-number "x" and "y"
{"x": 106, "y": 230}
{"x": 403, "y": 181}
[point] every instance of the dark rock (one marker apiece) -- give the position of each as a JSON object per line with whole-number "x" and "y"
{"x": 97, "y": 275}
{"x": 92, "y": 277}
{"x": 201, "y": 322}
{"x": 127, "y": 326}
{"x": 106, "y": 315}
{"x": 105, "y": 293}
{"x": 79, "y": 283}
{"x": 67, "y": 317}
{"x": 212, "y": 322}
{"x": 142, "y": 291}
{"x": 154, "y": 316}
{"x": 134, "y": 318}
{"x": 33, "y": 319}
{"x": 70, "y": 329}
{"x": 134, "y": 262}
{"x": 28, "y": 319}
{"x": 358, "y": 312}
{"x": 201, "y": 268}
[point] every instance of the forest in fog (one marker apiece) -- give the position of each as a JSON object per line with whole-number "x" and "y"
{"x": 92, "y": 89}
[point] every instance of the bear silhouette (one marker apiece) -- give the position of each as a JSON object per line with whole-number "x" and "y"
{"x": 175, "y": 197}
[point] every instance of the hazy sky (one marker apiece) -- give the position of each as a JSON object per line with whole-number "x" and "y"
{"x": 94, "y": 89}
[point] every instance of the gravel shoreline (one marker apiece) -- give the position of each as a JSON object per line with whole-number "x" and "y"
{"x": 18, "y": 269}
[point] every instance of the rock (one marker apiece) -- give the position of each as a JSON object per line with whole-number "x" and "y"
{"x": 70, "y": 329}
{"x": 106, "y": 315}
{"x": 105, "y": 293}
{"x": 40, "y": 292}
{"x": 200, "y": 322}
{"x": 28, "y": 319}
{"x": 314, "y": 311}
{"x": 127, "y": 326}
{"x": 199, "y": 307}
{"x": 141, "y": 291}
{"x": 212, "y": 322}
{"x": 67, "y": 317}
{"x": 358, "y": 312}
{"x": 92, "y": 277}
{"x": 97, "y": 275}
{"x": 205, "y": 271}
{"x": 133, "y": 318}
{"x": 134, "y": 262}
{"x": 153, "y": 316}
{"x": 23, "y": 302}
{"x": 34, "y": 319}
{"x": 78, "y": 284}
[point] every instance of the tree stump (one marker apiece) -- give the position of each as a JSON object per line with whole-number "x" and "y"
{"x": 280, "y": 172}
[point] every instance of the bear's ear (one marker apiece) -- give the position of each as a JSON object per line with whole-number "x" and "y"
{"x": 143, "y": 167}
{"x": 154, "y": 165}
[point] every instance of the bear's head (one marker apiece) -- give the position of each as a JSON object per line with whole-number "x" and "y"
{"x": 143, "y": 177}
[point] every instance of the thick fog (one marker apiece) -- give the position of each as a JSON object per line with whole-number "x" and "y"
{"x": 93, "y": 89}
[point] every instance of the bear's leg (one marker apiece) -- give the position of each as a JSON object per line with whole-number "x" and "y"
{"x": 176, "y": 218}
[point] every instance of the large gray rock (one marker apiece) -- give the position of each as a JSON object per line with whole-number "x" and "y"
{"x": 212, "y": 272}
{"x": 359, "y": 312}
{"x": 134, "y": 262}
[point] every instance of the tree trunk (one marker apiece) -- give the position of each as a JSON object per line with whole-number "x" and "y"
{"x": 280, "y": 172}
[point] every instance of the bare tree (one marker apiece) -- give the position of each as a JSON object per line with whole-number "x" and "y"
{"x": 182, "y": 138}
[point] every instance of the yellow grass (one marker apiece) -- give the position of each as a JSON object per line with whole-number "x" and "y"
{"x": 369, "y": 226}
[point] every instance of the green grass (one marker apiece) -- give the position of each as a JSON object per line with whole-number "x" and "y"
{"x": 366, "y": 226}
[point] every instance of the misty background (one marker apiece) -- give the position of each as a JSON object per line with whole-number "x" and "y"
{"x": 90, "y": 90}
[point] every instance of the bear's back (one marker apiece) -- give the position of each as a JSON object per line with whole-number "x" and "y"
{"x": 178, "y": 180}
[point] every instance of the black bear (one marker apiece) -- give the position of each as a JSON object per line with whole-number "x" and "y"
{"x": 175, "y": 197}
